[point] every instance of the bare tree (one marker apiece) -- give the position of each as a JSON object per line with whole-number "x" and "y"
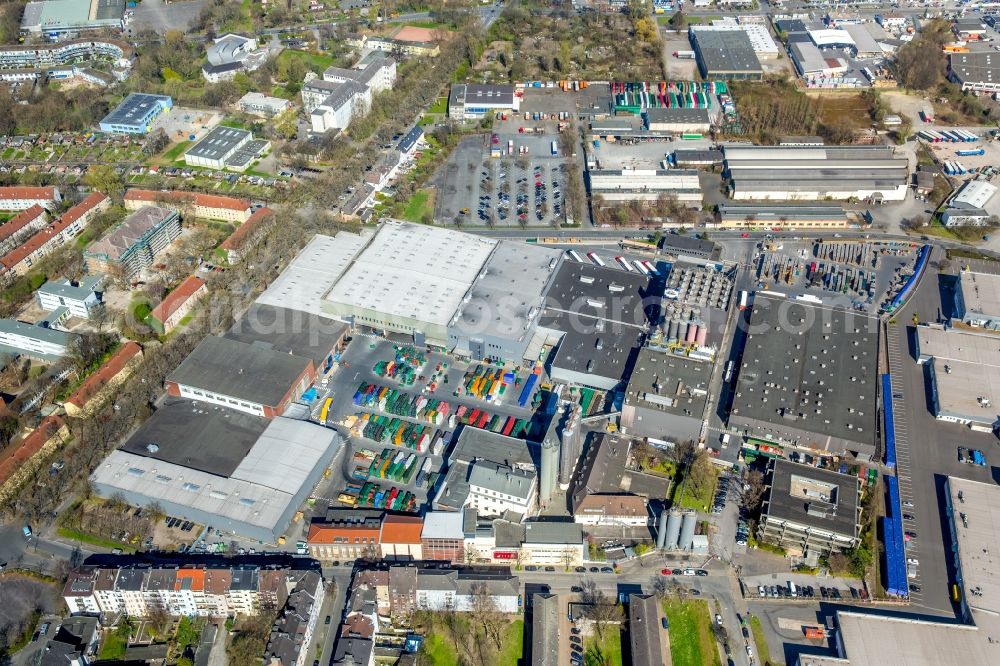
{"x": 751, "y": 490}
{"x": 486, "y": 614}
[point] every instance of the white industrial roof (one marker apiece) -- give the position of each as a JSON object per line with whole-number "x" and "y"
{"x": 877, "y": 640}
{"x": 313, "y": 271}
{"x": 966, "y": 370}
{"x": 413, "y": 271}
{"x": 981, "y": 292}
{"x": 443, "y": 525}
{"x": 829, "y": 38}
{"x": 974, "y": 194}
{"x": 257, "y": 493}
{"x": 760, "y": 38}
{"x": 863, "y": 39}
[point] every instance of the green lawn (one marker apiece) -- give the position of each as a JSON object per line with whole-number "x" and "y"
{"x": 438, "y": 651}
{"x": 691, "y": 641}
{"x": 419, "y": 205}
{"x": 114, "y": 644}
{"x": 763, "y": 652}
{"x": 607, "y": 652}
{"x": 440, "y": 105}
{"x": 77, "y": 535}
{"x": 178, "y": 150}
{"x": 513, "y": 644}
{"x": 316, "y": 63}
{"x": 690, "y": 500}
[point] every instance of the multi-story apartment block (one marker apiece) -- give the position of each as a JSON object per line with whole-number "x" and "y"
{"x": 23, "y": 198}
{"x": 133, "y": 244}
{"x": 205, "y": 206}
{"x": 189, "y": 590}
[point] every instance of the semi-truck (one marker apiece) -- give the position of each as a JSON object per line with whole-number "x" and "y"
{"x": 555, "y": 148}
{"x": 684, "y": 55}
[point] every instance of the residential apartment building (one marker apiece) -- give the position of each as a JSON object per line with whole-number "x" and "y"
{"x": 293, "y": 631}
{"x": 23, "y": 198}
{"x": 70, "y": 225}
{"x": 22, "y": 226}
{"x": 40, "y": 56}
{"x": 187, "y": 590}
{"x": 168, "y": 314}
{"x": 456, "y": 589}
{"x": 238, "y": 243}
{"x": 101, "y": 384}
{"x": 133, "y": 245}
{"x": 335, "y": 99}
{"x": 79, "y": 298}
{"x": 204, "y": 206}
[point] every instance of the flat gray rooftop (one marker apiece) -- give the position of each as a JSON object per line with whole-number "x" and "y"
{"x": 208, "y": 438}
{"x": 725, "y": 50}
{"x": 809, "y": 368}
{"x": 669, "y": 383}
{"x": 786, "y": 500}
{"x": 218, "y": 143}
{"x": 506, "y": 296}
{"x": 290, "y": 331}
{"x": 980, "y": 292}
{"x": 232, "y": 368}
{"x": 776, "y": 212}
{"x": 966, "y": 371}
{"x": 133, "y": 109}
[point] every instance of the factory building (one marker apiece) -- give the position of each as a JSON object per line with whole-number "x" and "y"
{"x": 976, "y": 72}
{"x": 808, "y": 378}
{"x": 677, "y": 120}
{"x": 598, "y": 317}
{"x": 666, "y": 396}
{"x": 810, "y": 511}
{"x": 136, "y": 113}
{"x": 246, "y": 377}
{"x": 781, "y": 217}
{"x": 133, "y": 245}
{"x": 470, "y": 101}
{"x": 780, "y": 173}
{"x": 496, "y": 456}
{"x": 250, "y": 481}
{"x": 725, "y": 54}
{"x": 977, "y": 299}
{"x": 645, "y": 184}
{"x": 54, "y": 18}
{"x": 964, "y": 374}
{"x": 612, "y": 511}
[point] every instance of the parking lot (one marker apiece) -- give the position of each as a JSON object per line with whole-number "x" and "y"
{"x": 522, "y": 187}
{"x": 972, "y": 163}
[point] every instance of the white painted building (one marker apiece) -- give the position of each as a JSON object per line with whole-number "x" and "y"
{"x": 495, "y": 489}
{"x": 79, "y": 298}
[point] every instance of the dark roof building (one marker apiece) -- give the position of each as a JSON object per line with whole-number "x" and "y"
{"x": 979, "y": 71}
{"x": 247, "y": 377}
{"x": 810, "y": 511}
{"x": 808, "y": 378}
{"x": 599, "y": 317}
{"x": 644, "y": 630}
{"x": 666, "y": 396}
{"x": 725, "y": 54}
{"x": 288, "y": 331}
{"x": 545, "y": 618}
{"x": 689, "y": 246}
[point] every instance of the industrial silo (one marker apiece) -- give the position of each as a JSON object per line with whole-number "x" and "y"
{"x": 687, "y": 530}
{"x": 661, "y": 529}
{"x": 549, "y": 470}
{"x": 692, "y": 332}
{"x": 702, "y": 335}
{"x": 673, "y": 530}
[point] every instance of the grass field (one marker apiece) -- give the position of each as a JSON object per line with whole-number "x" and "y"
{"x": 315, "y": 62}
{"x": 178, "y": 150}
{"x": 421, "y": 204}
{"x": 513, "y": 644}
{"x": 685, "y": 498}
{"x": 440, "y": 105}
{"x": 763, "y": 652}
{"x": 604, "y": 653}
{"x": 691, "y": 641}
{"x": 440, "y": 651}
{"x": 77, "y": 535}
{"x": 833, "y": 108}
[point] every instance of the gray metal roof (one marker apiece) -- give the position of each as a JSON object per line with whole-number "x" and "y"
{"x": 218, "y": 143}
{"x": 981, "y": 67}
{"x": 240, "y": 370}
{"x": 724, "y": 51}
{"x": 179, "y": 430}
{"x": 502, "y": 479}
{"x": 50, "y": 335}
{"x": 545, "y": 619}
{"x": 291, "y": 331}
{"x": 644, "y": 630}
{"x": 835, "y": 511}
{"x": 553, "y": 532}
{"x": 772, "y": 212}
{"x": 666, "y": 382}
{"x": 133, "y": 109}
{"x": 676, "y": 115}
{"x": 809, "y": 368}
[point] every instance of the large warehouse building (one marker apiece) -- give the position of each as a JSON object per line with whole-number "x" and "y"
{"x": 964, "y": 374}
{"x": 781, "y": 216}
{"x": 761, "y": 173}
{"x": 808, "y": 378}
{"x": 725, "y": 54}
{"x": 215, "y": 466}
{"x": 645, "y": 184}
{"x": 666, "y": 396}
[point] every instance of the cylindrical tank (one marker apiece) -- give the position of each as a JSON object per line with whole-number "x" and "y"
{"x": 675, "y": 326}
{"x": 661, "y": 529}
{"x": 687, "y": 530}
{"x": 692, "y": 332}
{"x": 549, "y": 471}
{"x": 702, "y": 335}
{"x": 673, "y": 530}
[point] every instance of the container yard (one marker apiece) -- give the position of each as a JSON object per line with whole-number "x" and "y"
{"x": 404, "y": 367}
{"x": 635, "y": 97}
{"x": 488, "y": 383}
